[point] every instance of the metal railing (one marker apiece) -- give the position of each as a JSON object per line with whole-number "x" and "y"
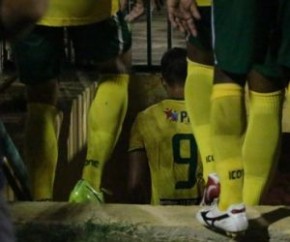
{"x": 149, "y": 66}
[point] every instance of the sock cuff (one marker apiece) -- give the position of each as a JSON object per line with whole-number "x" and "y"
{"x": 226, "y": 90}
{"x": 267, "y": 94}
{"x": 197, "y": 72}
{"x": 196, "y": 64}
{"x": 118, "y": 79}
{"x": 263, "y": 101}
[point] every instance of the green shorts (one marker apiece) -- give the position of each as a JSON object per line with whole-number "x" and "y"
{"x": 246, "y": 35}
{"x": 284, "y": 20}
{"x": 204, "y": 39}
{"x": 41, "y": 55}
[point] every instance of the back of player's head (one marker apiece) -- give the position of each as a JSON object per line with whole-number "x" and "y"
{"x": 174, "y": 66}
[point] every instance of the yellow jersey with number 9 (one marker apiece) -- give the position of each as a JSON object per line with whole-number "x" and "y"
{"x": 78, "y": 12}
{"x": 164, "y": 131}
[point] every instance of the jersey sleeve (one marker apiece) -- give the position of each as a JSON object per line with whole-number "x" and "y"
{"x": 136, "y": 140}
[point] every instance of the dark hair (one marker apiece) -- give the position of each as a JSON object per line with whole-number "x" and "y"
{"x": 174, "y": 66}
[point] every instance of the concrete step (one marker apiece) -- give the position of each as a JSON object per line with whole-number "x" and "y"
{"x": 66, "y": 222}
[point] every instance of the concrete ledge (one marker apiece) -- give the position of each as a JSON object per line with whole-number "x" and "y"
{"x": 65, "y": 222}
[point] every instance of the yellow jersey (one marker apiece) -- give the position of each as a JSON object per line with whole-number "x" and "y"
{"x": 78, "y": 12}
{"x": 164, "y": 131}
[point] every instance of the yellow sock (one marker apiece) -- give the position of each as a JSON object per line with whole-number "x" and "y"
{"x": 260, "y": 149}
{"x": 228, "y": 122}
{"x": 106, "y": 117}
{"x": 198, "y": 88}
{"x": 41, "y": 148}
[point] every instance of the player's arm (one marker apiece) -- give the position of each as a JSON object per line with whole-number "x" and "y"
{"x": 182, "y": 14}
{"x": 138, "y": 177}
{"x": 138, "y": 173}
{"x": 18, "y": 16}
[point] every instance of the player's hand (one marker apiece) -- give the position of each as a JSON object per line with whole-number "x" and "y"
{"x": 182, "y": 14}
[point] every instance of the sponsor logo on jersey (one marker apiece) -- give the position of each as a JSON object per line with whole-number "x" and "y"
{"x": 175, "y": 116}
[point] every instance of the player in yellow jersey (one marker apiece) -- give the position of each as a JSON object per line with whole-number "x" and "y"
{"x": 198, "y": 85}
{"x": 162, "y": 141}
{"x": 102, "y": 43}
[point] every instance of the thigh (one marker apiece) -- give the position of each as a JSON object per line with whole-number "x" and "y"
{"x": 200, "y": 47}
{"x": 101, "y": 42}
{"x": 204, "y": 39}
{"x": 233, "y": 34}
{"x": 284, "y": 23}
{"x": 270, "y": 43}
{"x": 39, "y": 55}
